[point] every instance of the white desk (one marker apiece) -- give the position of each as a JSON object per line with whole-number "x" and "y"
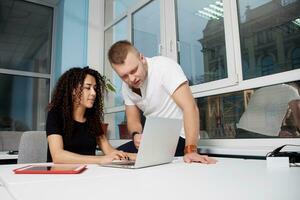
{"x": 228, "y": 179}
{"x": 4, "y": 194}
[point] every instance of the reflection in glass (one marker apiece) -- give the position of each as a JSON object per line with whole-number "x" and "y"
{"x": 296, "y": 58}
{"x": 200, "y": 31}
{"x": 146, "y": 29}
{"x": 25, "y": 36}
{"x": 271, "y": 111}
{"x": 23, "y": 101}
{"x": 270, "y": 46}
{"x": 112, "y": 35}
{"x": 115, "y": 8}
{"x": 267, "y": 66}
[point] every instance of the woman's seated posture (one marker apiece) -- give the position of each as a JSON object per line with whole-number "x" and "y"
{"x": 74, "y": 120}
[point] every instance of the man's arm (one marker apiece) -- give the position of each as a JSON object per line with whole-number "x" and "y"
{"x": 134, "y": 122}
{"x": 185, "y": 100}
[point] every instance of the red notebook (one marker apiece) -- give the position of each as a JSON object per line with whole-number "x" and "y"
{"x": 51, "y": 169}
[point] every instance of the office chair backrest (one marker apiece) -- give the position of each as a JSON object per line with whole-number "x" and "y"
{"x": 33, "y": 147}
{"x": 10, "y": 140}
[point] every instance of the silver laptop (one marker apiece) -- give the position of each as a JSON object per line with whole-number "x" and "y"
{"x": 158, "y": 144}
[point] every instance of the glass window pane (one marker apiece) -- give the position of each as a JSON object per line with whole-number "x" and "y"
{"x": 115, "y": 8}
{"x": 146, "y": 29}
{"x": 270, "y": 36}
{"x": 117, "y": 128}
{"x": 296, "y": 58}
{"x": 267, "y": 112}
{"x": 200, "y": 31}
{"x": 112, "y": 35}
{"x": 25, "y": 36}
{"x": 23, "y": 101}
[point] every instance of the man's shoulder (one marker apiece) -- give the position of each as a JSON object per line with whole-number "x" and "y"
{"x": 162, "y": 63}
{"x": 161, "y": 59}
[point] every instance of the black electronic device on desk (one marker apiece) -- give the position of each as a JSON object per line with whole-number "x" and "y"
{"x": 13, "y": 152}
{"x": 8, "y": 157}
{"x": 294, "y": 156}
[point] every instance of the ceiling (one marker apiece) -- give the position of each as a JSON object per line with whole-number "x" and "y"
{"x": 24, "y": 31}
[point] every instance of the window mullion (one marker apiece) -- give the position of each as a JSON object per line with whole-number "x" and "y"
{"x": 229, "y": 41}
{"x": 169, "y": 28}
{"x": 236, "y": 40}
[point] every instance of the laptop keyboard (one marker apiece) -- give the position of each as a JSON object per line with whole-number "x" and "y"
{"x": 123, "y": 162}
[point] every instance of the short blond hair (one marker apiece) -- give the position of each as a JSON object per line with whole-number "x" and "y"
{"x": 119, "y": 50}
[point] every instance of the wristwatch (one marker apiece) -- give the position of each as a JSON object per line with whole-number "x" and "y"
{"x": 190, "y": 149}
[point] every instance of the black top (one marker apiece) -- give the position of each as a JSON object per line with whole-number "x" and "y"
{"x": 80, "y": 142}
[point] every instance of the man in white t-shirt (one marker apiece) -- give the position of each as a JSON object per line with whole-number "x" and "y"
{"x": 159, "y": 88}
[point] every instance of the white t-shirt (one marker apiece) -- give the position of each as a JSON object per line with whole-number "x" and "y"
{"x": 164, "y": 77}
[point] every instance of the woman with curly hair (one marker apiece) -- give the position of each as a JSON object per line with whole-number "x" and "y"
{"x": 74, "y": 120}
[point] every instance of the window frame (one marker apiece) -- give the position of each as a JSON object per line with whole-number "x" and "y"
{"x": 234, "y": 82}
{"x": 128, "y": 14}
{"x": 49, "y": 76}
{"x": 230, "y": 19}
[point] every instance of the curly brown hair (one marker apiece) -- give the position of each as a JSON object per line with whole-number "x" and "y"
{"x": 62, "y": 99}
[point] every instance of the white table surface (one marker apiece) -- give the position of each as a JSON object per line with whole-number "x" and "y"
{"x": 228, "y": 179}
{"x": 4, "y": 195}
{"x": 5, "y": 156}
